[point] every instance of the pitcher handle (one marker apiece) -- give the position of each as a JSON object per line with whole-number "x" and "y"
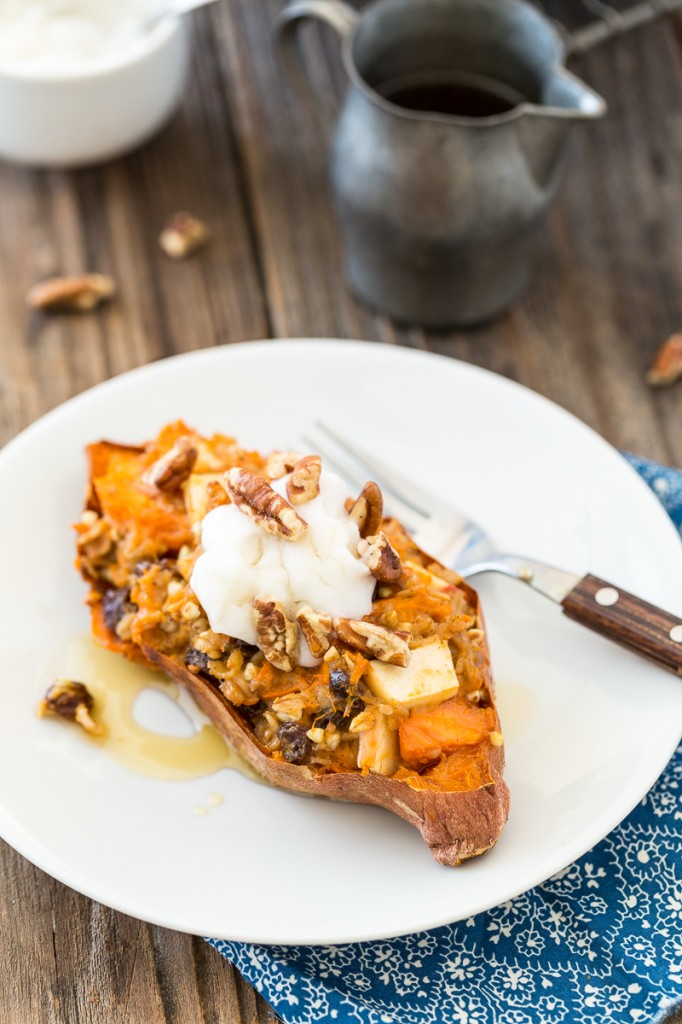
{"x": 340, "y": 16}
{"x": 613, "y": 22}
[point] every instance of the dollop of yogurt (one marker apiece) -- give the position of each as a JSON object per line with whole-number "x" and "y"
{"x": 64, "y": 35}
{"x": 241, "y": 561}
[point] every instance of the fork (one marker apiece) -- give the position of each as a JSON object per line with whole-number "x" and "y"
{"x": 462, "y": 545}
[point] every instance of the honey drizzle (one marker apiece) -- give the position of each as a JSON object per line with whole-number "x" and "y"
{"x": 115, "y": 684}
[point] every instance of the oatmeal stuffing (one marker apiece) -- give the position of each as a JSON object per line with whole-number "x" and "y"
{"x": 138, "y": 540}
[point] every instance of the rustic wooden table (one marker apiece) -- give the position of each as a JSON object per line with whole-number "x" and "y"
{"x": 242, "y": 154}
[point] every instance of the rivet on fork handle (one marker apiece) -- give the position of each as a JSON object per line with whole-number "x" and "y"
{"x": 630, "y": 621}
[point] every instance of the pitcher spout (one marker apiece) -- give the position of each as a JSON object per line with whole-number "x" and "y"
{"x": 566, "y": 96}
{"x": 542, "y": 135}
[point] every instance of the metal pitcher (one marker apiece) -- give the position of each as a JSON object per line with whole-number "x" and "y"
{"x": 439, "y": 209}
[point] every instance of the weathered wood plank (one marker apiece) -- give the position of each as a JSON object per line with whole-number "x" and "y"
{"x": 248, "y": 157}
{"x": 598, "y": 305}
{"x": 284, "y": 153}
{"x": 108, "y": 219}
{"x": 68, "y": 960}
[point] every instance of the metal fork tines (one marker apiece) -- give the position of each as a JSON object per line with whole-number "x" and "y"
{"x": 460, "y": 544}
{"x": 436, "y": 527}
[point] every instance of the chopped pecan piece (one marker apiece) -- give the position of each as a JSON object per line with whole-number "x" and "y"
{"x": 374, "y": 641}
{"x": 70, "y": 700}
{"x": 277, "y": 635}
{"x": 281, "y": 463}
{"x": 215, "y": 495}
{"x": 253, "y": 495}
{"x": 667, "y": 365}
{"x": 381, "y": 558}
{"x": 182, "y": 235}
{"x": 316, "y": 629}
{"x": 76, "y": 294}
{"x": 173, "y": 468}
{"x": 368, "y": 510}
{"x": 96, "y": 540}
{"x": 304, "y": 483}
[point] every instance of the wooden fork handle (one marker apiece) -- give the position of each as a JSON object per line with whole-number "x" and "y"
{"x": 628, "y": 620}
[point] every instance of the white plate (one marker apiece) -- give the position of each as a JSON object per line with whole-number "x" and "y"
{"x": 589, "y": 727}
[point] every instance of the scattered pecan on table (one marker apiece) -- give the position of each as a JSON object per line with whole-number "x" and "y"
{"x": 183, "y": 235}
{"x": 667, "y": 365}
{"x": 78, "y": 294}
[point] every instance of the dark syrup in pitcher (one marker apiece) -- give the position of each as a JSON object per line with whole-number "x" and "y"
{"x": 456, "y": 97}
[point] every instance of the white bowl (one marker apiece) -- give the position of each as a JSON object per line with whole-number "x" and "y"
{"x": 85, "y": 116}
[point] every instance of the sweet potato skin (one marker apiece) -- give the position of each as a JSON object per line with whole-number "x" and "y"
{"x": 460, "y": 806}
{"x": 455, "y": 825}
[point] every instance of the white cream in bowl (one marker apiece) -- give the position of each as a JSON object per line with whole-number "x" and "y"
{"x": 79, "y": 83}
{"x": 64, "y": 35}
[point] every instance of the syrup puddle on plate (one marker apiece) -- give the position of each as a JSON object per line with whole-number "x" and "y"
{"x": 516, "y": 707}
{"x": 153, "y": 727}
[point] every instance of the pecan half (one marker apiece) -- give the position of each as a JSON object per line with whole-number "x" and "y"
{"x": 374, "y": 641}
{"x": 173, "y": 468}
{"x": 667, "y": 365}
{"x": 78, "y": 294}
{"x": 368, "y": 510}
{"x": 316, "y": 629}
{"x": 304, "y": 483}
{"x": 381, "y": 558}
{"x": 182, "y": 235}
{"x": 280, "y": 463}
{"x": 277, "y": 635}
{"x": 253, "y": 495}
{"x": 70, "y": 700}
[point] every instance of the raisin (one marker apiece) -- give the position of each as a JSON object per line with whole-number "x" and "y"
{"x": 294, "y": 742}
{"x": 335, "y": 717}
{"x": 342, "y": 716}
{"x": 353, "y": 708}
{"x": 252, "y": 711}
{"x": 339, "y": 683}
{"x": 115, "y": 604}
{"x": 197, "y": 660}
{"x": 142, "y": 567}
{"x": 241, "y": 645}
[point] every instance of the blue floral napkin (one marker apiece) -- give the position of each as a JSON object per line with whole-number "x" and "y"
{"x": 599, "y": 942}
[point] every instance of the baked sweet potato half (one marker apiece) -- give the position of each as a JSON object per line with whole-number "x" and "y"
{"x": 392, "y": 707}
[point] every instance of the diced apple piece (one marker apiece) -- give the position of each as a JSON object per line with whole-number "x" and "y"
{"x": 196, "y": 494}
{"x": 437, "y": 582}
{"x": 378, "y": 750}
{"x": 428, "y": 678}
